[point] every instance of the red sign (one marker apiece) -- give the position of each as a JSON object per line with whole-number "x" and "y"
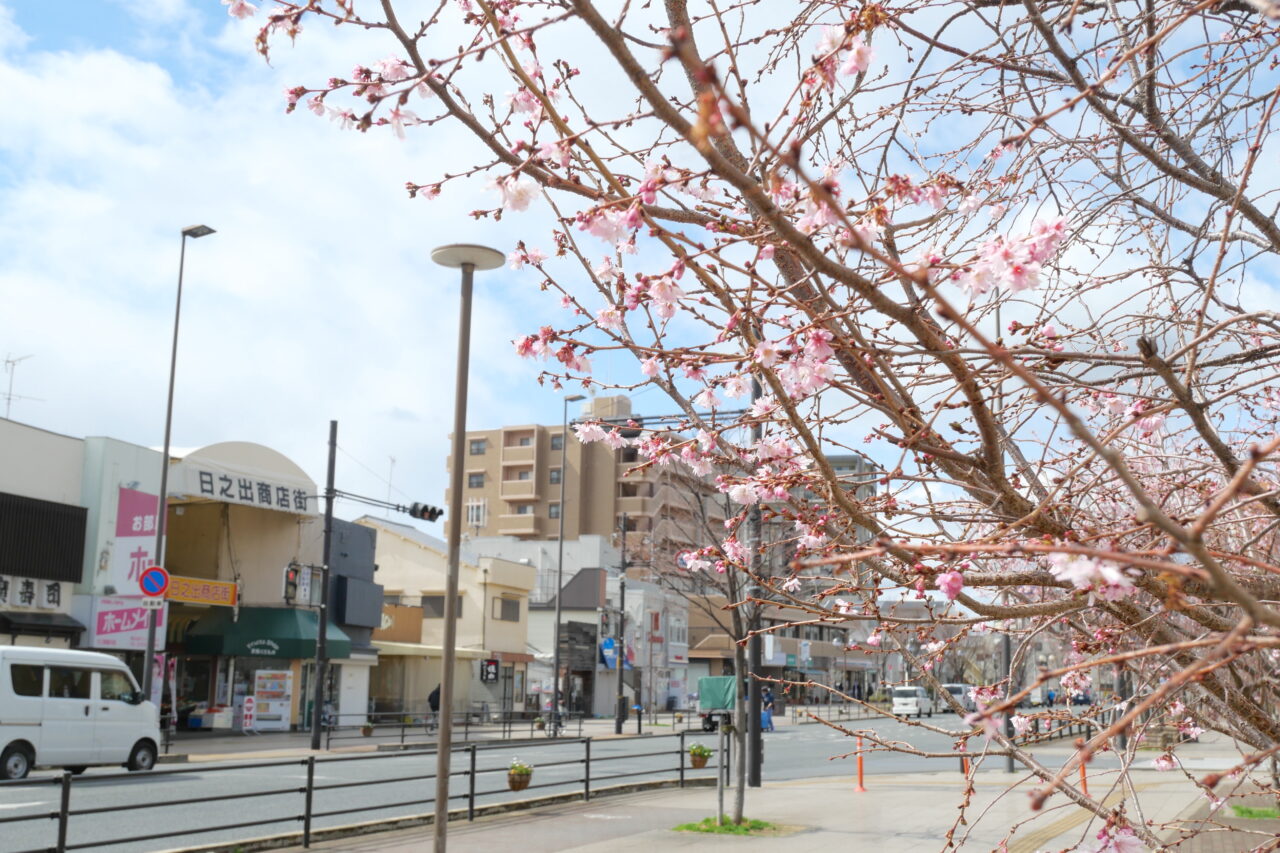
{"x": 154, "y": 581}
{"x": 248, "y": 718}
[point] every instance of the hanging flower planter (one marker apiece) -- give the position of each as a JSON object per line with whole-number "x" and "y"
{"x": 519, "y": 775}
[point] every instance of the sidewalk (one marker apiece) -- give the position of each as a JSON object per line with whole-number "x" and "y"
{"x": 903, "y": 812}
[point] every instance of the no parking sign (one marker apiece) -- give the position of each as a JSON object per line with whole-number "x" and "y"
{"x": 154, "y": 582}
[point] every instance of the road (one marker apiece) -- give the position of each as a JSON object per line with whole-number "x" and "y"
{"x": 108, "y": 805}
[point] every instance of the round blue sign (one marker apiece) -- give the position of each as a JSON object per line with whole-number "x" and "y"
{"x": 153, "y": 581}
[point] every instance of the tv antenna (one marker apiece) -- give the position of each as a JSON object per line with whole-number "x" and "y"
{"x": 11, "y": 368}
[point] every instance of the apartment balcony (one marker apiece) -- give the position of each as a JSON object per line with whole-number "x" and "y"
{"x": 519, "y": 490}
{"x": 635, "y": 505}
{"x": 517, "y": 455}
{"x": 519, "y": 525}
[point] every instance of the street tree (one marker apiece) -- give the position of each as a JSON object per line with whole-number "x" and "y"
{"x": 1020, "y": 256}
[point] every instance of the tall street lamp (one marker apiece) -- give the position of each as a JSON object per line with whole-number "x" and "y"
{"x": 468, "y": 258}
{"x": 564, "y": 458}
{"x": 194, "y": 232}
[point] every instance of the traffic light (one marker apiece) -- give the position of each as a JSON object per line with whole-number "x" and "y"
{"x": 426, "y": 512}
{"x": 291, "y": 582}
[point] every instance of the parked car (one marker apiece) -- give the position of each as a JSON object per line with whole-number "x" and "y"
{"x": 912, "y": 700}
{"x": 960, "y": 692}
{"x": 72, "y": 709}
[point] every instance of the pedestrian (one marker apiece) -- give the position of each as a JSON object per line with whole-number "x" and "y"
{"x": 766, "y": 710}
{"x": 433, "y": 702}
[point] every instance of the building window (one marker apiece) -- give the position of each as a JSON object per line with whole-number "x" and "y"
{"x": 477, "y": 446}
{"x": 524, "y": 441}
{"x": 557, "y": 442}
{"x": 523, "y": 475}
{"x": 506, "y": 609}
{"x": 555, "y": 476}
{"x": 476, "y": 513}
{"x": 433, "y": 607}
{"x": 524, "y": 509}
{"x": 553, "y": 510}
{"x": 475, "y": 481}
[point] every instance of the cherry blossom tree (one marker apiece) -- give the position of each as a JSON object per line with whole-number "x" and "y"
{"x": 1020, "y": 256}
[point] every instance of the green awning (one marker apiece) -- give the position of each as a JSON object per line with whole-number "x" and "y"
{"x": 272, "y": 632}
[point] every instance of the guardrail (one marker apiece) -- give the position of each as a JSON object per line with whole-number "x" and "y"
{"x": 399, "y": 727}
{"x": 304, "y": 812}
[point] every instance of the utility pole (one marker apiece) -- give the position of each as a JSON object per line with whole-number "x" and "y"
{"x": 322, "y": 628}
{"x": 620, "y": 711}
{"x": 755, "y": 738}
{"x": 1008, "y": 717}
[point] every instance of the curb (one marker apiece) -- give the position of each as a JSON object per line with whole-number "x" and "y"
{"x": 353, "y": 830}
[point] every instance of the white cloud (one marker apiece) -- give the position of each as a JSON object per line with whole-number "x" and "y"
{"x": 316, "y": 299}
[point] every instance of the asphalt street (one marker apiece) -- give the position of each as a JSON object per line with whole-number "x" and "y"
{"x": 106, "y": 805}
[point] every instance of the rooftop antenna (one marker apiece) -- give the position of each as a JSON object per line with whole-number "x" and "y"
{"x": 11, "y": 368}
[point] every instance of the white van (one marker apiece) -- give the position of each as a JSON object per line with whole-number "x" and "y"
{"x": 72, "y": 709}
{"x": 911, "y": 700}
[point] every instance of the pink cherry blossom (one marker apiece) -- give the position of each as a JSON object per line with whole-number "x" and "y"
{"x": 873, "y": 640}
{"x": 950, "y": 583}
{"x": 766, "y": 353}
{"x": 649, "y": 367}
{"x": 609, "y": 318}
{"x": 733, "y": 549}
{"x": 859, "y": 57}
{"x": 791, "y": 584}
{"x": 588, "y": 433}
{"x": 1164, "y": 762}
{"x": 239, "y": 8}
{"x": 399, "y": 118}
{"x": 517, "y": 192}
{"x": 1021, "y": 724}
{"x": 744, "y": 493}
{"x": 393, "y": 69}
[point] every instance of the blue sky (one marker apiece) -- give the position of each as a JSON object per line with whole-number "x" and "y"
{"x": 316, "y": 299}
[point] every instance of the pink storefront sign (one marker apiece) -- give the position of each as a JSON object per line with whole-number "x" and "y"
{"x": 120, "y": 622}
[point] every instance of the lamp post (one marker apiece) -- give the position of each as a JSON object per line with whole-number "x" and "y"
{"x": 564, "y": 458}
{"x": 620, "y": 658}
{"x": 468, "y": 258}
{"x": 194, "y": 232}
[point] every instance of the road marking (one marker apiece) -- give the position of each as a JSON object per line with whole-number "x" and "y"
{"x": 23, "y": 805}
{"x": 607, "y": 816}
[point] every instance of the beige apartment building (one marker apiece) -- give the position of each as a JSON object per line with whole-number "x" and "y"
{"x": 493, "y": 625}
{"x": 512, "y": 487}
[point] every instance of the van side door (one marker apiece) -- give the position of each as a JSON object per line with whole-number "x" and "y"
{"x": 119, "y": 724}
{"x": 67, "y": 739}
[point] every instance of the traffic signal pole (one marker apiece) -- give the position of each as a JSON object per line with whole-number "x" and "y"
{"x": 322, "y": 630}
{"x": 620, "y": 657}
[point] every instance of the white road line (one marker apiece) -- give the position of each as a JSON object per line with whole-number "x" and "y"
{"x": 24, "y": 805}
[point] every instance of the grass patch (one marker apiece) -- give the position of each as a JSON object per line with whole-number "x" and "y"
{"x": 708, "y": 824}
{"x": 1256, "y": 812}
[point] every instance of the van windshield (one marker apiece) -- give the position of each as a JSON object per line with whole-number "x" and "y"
{"x": 955, "y": 689}
{"x": 904, "y": 693}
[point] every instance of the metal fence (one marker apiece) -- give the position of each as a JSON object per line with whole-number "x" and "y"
{"x": 395, "y": 727}
{"x": 473, "y": 782}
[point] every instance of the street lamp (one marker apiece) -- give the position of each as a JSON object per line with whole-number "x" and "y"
{"x": 468, "y": 258}
{"x": 194, "y": 232}
{"x": 564, "y": 456}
